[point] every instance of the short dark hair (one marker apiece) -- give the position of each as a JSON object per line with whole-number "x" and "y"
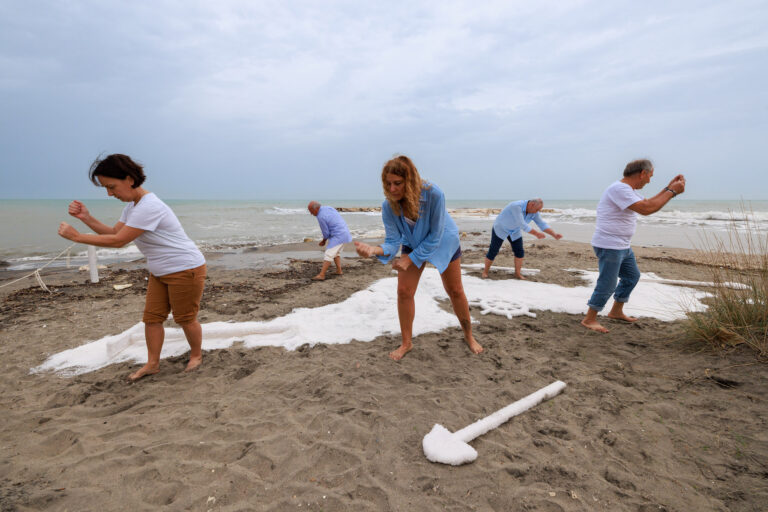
{"x": 117, "y": 166}
{"x": 636, "y": 166}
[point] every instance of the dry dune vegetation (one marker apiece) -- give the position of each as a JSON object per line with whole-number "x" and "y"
{"x": 736, "y": 315}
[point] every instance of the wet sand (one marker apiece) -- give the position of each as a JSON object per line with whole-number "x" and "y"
{"x": 649, "y": 421}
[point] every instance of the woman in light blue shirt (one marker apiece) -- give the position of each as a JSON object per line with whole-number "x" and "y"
{"x": 415, "y": 217}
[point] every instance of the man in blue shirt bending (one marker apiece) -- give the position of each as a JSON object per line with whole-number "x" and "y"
{"x": 510, "y": 224}
{"x": 335, "y": 234}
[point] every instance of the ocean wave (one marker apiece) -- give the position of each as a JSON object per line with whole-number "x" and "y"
{"x": 108, "y": 253}
{"x": 368, "y": 233}
{"x": 103, "y": 255}
{"x": 712, "y": 218}
{"x": 224, "y": 225}
{"x": 580, "y": 214}
{"x": 276, "y": 210}
{"x": 364, "y": 214}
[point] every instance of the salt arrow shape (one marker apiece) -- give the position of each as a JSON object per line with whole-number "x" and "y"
{"x": 440, "y": 445}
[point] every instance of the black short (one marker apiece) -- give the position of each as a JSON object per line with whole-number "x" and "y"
{"x": 407, "y": 250}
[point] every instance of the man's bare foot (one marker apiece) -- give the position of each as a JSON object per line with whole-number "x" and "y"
{"x": 622, "y": 316}
{"x": 520, "y": 276}
{"x": 594, "y": 325}
{"x": 474, "y": 346}
{"x": 484, "y": 275}
{"x": 398, "y": 354}
{"x": 319, "y": 277}
{"x": 145, "y": 370}
{"x": 194, "y": 363}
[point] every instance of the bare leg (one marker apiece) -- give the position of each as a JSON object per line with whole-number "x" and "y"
{"x": 407, "y": 281}
{"x": 488, "y": 264}
{"x": 154, "y": 333}
{"x": 617, "y": 312}
{"x": 194, "y": 333}
{"x": 337, "y": 262}
{"x": 590, "y": 321}
{"x": 519, "y": 268}
{"x": 321, "y": 275}
{"x": 455, "y": 290}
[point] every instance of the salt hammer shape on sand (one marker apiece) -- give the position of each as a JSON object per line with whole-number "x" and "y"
{"x": 440, "y": 445}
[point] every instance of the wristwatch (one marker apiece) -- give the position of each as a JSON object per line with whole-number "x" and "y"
{"x": 673, "y": 192}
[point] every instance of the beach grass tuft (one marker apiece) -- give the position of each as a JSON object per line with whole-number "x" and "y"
{"x": 736, "y": 315}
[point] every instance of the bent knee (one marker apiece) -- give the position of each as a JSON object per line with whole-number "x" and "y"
{"x": 154, "y": 317}
{"x": 405, "y": 293}
{"x": 632, "y": 278}
{"x": 185, "y": 319}
{"x": 455, "y": 293}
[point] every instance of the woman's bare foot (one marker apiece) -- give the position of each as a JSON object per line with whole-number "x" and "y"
{"x": 145, "y": 370}
{"x": 520, "y": 276}
{"x": 473, "y": 345}
{"x": 398, "y": 354}
{"x": 594, "y": 325}
{"x": 622, "y": 316}
{"x": 319, "y": 277}
{"x": 339, "y": 272}
{"x": 484, "y": 275}
{"x": 194, "y": 363}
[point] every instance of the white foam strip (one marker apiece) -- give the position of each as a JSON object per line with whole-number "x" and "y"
{"x": 508, "y": 270}
{"x": 651, "y": 277}
{"x": 370, "y": 313}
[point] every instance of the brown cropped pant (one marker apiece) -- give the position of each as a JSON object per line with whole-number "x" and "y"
{"x": 179, "y": 292}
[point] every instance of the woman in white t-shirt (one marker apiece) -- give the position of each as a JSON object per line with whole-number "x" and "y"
{"x": 177, "y": 267}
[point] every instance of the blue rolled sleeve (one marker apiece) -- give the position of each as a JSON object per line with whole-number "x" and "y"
{"x": 393, "y": 238}
{"x": 540, "y": 222}
{"x": 323, "y": 227}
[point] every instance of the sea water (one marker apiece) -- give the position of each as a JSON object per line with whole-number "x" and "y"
{"x": 29, "y": 239}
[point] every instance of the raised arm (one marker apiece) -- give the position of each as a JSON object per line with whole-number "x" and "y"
{"x": 123, "y": 237}
{"x": 653, "y": 204}
{"x": 79, "y": 211}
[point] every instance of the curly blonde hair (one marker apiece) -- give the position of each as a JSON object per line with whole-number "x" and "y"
{"x": 403, "y": 167}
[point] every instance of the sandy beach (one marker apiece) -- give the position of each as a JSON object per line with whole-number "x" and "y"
{"x": 649, "y": 421}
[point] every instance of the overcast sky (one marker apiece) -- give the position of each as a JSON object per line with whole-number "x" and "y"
{"x": 292, "y": 100}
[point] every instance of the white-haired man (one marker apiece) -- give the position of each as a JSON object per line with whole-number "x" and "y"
{"x": 616, "y": 219}
{"x": 510, "y": 223}
{"x": 335, "y": 234}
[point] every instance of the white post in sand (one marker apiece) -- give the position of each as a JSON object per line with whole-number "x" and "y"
{"x": 92, "y": 267}
{"x": 440, "y": 445}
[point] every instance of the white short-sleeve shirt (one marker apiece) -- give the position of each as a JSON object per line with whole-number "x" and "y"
{"x": 166, "y": 246}
{"x": 616, "y": 223}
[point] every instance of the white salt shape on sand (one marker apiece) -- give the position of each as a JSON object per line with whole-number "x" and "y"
{"x": 370, "y": 313}
{"x": 508, "y": 270}
{"x": 650, "y": 276}
{"x": 442, "y": 445}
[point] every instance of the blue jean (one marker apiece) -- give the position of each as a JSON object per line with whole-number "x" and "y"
{"x": 493, "y": 250}
{"x": 615, "y": 265}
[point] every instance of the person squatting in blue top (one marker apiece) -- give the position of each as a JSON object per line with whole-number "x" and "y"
{"x": 510, "y": 223}
{"x": 415, "y": 217}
